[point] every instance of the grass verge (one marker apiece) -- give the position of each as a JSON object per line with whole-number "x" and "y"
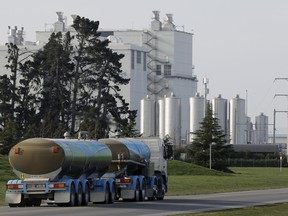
{"x": 205, "y": 181}
{"x": 6, "y": 173}
{"x": 275, "y": 210}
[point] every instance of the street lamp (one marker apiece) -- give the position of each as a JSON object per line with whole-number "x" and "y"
{"x": 210, "y": 154}
{"x": 210, "y": 162}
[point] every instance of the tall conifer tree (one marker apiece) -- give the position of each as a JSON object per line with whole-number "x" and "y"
{"x": 210, "y": 133}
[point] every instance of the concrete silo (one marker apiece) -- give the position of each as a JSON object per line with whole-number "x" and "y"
{"x": 196, "y": 111}
{"x": 148, "y": 117}
{"x": 238, "y": 125}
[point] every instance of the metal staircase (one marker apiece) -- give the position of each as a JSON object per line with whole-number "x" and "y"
{"x": 157, "y": 84}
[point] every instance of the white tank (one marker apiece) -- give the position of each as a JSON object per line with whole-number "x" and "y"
{"x": 147, "y": 115}
{"x": 238, "y": 123}
{"x": 249, "y": 132}
{"x": 173, "y": 118}
{"x": 261, "y": 129}
{"x": 161, "y": 104}
{"x": 196, "y": 111}
{"x": 219, "y": 108}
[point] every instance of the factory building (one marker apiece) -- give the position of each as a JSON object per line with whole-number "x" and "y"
{"x": 163, "y": 88}
{"x": 169, "y": 71}
{"x": 157, "y": 60}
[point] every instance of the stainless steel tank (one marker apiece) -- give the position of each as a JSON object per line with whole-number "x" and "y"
{"x": 173, "y": 118}
{"x": 196, "y": 110}
{"x": 148, "y": 115}
{"x": 219, "y": 108}
{"x": 238, "y": 121}
{"x": 55, "y": 158}
{"x": 127, "y": 152}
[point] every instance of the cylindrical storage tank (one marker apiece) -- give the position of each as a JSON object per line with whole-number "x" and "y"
{"x": 249, "y": 133}
{"x": 261, "y": 129}
{"x": 196, "y": 112}
{"x": 148, "y": 115}
{"x": 173, "y": 118}
{"x": 49, "y": 158}
{"x": 237, "y": 119}
{"x": 219, "y": 109}
{"x": 127, "y": 153}
{"x": 161, "y": 104}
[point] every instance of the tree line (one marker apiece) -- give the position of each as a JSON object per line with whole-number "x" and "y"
{"x": 73, "y": 78}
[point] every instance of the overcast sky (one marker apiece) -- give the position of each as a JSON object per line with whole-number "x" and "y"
{"x": 241, "y": 46}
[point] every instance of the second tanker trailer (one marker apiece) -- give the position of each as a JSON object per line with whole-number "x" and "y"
{"x": 71, "y": 172}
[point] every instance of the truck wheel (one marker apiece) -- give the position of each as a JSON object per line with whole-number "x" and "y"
{"x": 161, "y": 188}
{"x": 29, "y": 203}
{"x": 106, "y": 198}
{"x": 112, "y": 194}
{"x": 79, "y": 195}
{"x": 86, "y": 196}
{"x": 143, "y": 191}
{"x": 137, "y": 191}
{"x": 155, "y": 192}
{"x": 13, "y": 205}
{"x": 37, "y": 202}
{"x": 72, "y": 196}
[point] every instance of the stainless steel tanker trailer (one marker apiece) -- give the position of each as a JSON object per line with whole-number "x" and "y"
{"x": 72, "y": 172}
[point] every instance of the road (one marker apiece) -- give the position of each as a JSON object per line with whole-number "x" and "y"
{"x": 171, "y": 205}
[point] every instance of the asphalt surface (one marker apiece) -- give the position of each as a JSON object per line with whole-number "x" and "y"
{"x": 171, "y": 205}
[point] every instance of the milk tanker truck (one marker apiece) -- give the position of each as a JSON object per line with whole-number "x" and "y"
{"x": 75, "y": 172}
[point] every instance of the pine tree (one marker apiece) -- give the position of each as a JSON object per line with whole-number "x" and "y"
{"x": 12, "y": 117}
{"x": 98, "y": 76}
{"x": 210, "y": 133}
{"x": 52, "y": 66}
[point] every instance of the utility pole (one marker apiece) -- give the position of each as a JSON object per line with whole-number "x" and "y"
{"x": 206, "y": 92}
{"x": 274, "y": 129}
{"x": 285, "y": 95}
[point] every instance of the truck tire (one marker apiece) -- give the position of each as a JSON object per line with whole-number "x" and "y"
{"x": 155, "y": 192}
{"x": 86, "y": 196}
{"x": 37, "y": 202}
{"x": 137, "y": 192}
{"x": 112, "y": 194}
{"x": 106, "y": 198}
{"x": 161, "y": 188}
{"x": 72, "y": 196}
{"x": 143, "y": 191}
{"x": 13, "y": 205}
{"x": 79, "y": 196}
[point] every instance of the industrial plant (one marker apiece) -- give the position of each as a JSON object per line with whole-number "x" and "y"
{"x": 163, "y": 86}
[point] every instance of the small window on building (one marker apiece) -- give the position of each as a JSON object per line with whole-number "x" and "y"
{"x": 132, "y": 59}
{"x": 138, "y": 57}
{"x": 167, "y": 70}
{"x": 144, "y": 62}
{"x": 158, "y": 70}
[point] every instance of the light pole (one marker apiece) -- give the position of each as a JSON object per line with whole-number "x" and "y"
{"x": 210, "y": 154}
{"x": 206, "y": 91}
{"x": 210, "y": 162}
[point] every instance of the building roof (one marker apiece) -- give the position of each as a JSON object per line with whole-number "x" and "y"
{"x": 261, "y": 148}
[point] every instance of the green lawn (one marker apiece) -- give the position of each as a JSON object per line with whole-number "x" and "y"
{"x": 269, "y": 210}
{"x": 242, "y": 179}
